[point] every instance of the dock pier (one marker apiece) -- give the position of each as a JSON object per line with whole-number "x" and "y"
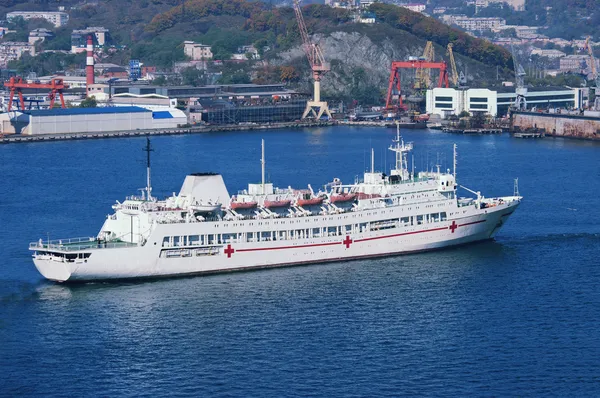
{"x": 23, "y": 138}
{"x": 535, "y": 134}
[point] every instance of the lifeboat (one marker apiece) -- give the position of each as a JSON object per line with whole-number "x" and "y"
{"x": 243, "y": 205}
{"x": 362, "y": 195}
{"x": 206, "y": 207}
{"x": 342, "y": 197}
{"x": 310, "y": 201}
{"x": 277, "y": 203}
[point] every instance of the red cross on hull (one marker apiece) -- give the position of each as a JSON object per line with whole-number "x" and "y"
{"x": 347, "y": 241}
{"x": 229, "y": 251}
{"x": 453, "y": 226}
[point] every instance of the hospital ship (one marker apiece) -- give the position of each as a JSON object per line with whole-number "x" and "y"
{"x": 203, "y": 229}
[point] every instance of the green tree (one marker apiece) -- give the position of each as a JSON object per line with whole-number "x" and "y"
{"x": 160, "y": 81}
{"x": 478, "y": 119}
{"x": 238, "y": 77}
{"x": 193, "y": 77}
{"x": 89, "y": 102}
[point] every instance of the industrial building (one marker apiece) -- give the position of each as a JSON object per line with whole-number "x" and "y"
{"x": 220, "y": 91}
{"x": 79, "y": 120}
{"x": 248, "y": 111}
{"x": 496, "y": 102}
{"x": 213, "y": 104}
{"x": 219, "y": 104}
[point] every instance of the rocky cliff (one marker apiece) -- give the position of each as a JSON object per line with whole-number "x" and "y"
{"x": 360, "y": 65}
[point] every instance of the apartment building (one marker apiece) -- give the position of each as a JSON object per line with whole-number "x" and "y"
{"x": 39, "y": 35}
{"x": 57, "y": 18}
{"x": 552, "y": 54}
{"x": 13, "y": 50}
{"x": 517, "y": 5}
{"x": 197, "y": 51}
{"x": 79, "y": 38}
{"x": 416, "y": 7}
{"x": 576, "y": 64}
{"x": 474, "y": 24}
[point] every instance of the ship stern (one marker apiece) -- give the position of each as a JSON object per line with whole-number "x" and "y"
{"x": 50, "y": 269}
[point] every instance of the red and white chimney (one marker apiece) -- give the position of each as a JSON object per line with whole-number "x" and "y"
{"x": 89, "y": 64}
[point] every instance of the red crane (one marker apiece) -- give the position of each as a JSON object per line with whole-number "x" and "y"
{"x": 16, "y": 84}
{"x": 416, "y": 64}
{"x": 318, "y": 66}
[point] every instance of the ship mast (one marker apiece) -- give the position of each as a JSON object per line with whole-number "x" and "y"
{"x": 402, "y": 151}
{"x": 148, "y": 149}
{"x": 454, "y": 165}
{"x": 372, "y": 160}
{"x": 262, "y": 163}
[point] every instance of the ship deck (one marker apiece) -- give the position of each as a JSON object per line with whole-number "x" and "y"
{"x": 78, "y": 244}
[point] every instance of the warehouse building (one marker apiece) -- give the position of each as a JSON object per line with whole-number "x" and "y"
{"x": 449, "y": 101}
{"x": 219, "y": 91}
{"x": 265, "y": 110}
{"x": 168, "y": 119}
{"x": 85, "y": 120}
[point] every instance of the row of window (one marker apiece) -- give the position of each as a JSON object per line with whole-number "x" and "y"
{"x": 321, "y": 232}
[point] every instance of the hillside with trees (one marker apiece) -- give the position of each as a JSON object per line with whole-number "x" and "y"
{"x": 360, "y": 54}
{"x": 568, "y": 19}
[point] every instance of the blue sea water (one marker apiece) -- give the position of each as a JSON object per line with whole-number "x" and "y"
{"x": 518, "y": 316}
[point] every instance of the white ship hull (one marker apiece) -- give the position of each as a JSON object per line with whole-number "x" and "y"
{"x": 349, "y": 240}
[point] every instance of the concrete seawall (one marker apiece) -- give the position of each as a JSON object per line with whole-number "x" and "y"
{"x": 23, "y": 138}
{"x": 557, "y": 125}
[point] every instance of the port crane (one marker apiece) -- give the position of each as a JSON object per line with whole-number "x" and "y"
{"x": 595, "y": 75}
{"x": 521, "y": 91}
{"x": 423, "y": 75}
{"x": 453, "y": 70}
{"x": 17, "y": 84}
{"x": 315, "y": 107}
{"x": 394, "y": 84}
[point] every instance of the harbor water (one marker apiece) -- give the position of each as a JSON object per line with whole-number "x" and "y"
{"x": 519, "y": 315}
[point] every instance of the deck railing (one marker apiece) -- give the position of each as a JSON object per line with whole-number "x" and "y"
{"x": 77, "y": 244}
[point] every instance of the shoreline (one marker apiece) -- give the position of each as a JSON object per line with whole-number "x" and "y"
{"x": 19, "y": 138}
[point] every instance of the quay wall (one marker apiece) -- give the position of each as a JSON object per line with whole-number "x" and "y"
{"x": 557, "y": 125}
{"x": 25, "y": 138}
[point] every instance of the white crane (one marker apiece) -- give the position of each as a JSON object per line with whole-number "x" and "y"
{"x": 595, "y": 75}
{"x": 319, "y": 67}
{"x": 521, "y": 91}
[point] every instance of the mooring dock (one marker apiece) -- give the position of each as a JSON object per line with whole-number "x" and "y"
{"x": 23, "y": 138}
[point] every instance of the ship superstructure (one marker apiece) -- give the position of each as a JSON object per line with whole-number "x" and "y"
{"x": 203, "y": 229}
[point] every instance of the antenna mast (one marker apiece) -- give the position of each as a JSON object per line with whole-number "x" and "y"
{"x": 454, "y": 172}
{"x": 148, "y": 149}
{"x": 262, "y": 163}
{"x": 372, "y": 160}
